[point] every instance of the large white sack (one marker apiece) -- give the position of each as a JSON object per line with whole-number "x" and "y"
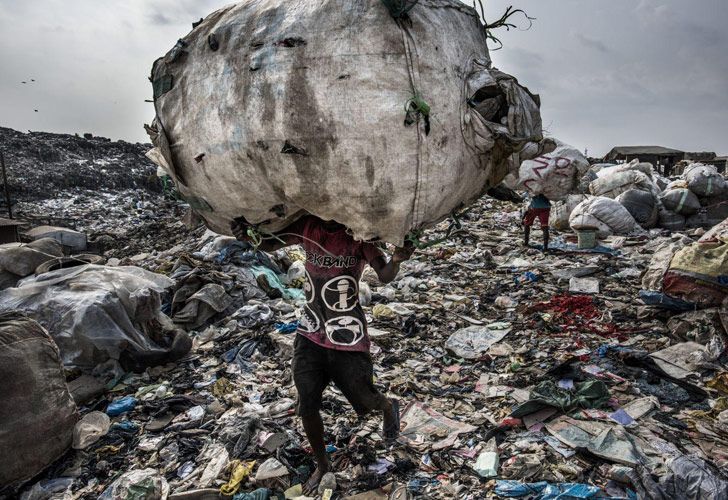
{"x": 560, "y": 211}
{"x": 272, "y": 108}
{"x": 618, "y": 182}
{"x": 554, "y": 174}
{"x": 636, "y": 165}
{"x": 704, "y": 180}
{"x": 604, "y": 214}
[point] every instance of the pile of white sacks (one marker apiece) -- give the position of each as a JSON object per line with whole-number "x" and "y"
{"x": 626, "y": 198}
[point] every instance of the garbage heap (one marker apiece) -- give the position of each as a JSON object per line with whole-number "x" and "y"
{"x": 619, "y": 199}
{"x": 520, "y": 373}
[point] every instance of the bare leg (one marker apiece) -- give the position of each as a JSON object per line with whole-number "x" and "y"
{"x": 527, "y": 231}
{"x": 314, "y": 427}
{"x": 545, "y": 238}
{"x": 390, "y": 419}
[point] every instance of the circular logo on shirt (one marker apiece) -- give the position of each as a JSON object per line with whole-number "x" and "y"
{"x": 308, "y": 288}
{"x": 344, "y": 330}
{"x": 309, "y": 321}
{"x": 341, "y": 294}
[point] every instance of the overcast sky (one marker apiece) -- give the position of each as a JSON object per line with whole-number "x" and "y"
{"x": 610, "y": 72}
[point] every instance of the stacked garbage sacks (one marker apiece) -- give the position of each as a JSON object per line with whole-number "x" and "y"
{"x": 698, "y": 199}
{"x": 619, "y": 199}
{"x": 385, "y": 122}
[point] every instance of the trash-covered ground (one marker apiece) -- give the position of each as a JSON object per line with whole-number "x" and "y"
{"x": 518, "y": 372}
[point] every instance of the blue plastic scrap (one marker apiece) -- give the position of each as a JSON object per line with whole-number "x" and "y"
{"x": 120, "y": 406}
{"x": 275, "y": 281}
{"x": 259, "y": 494}
{"x": 545, "y": 491}
{"x": 287, "y": 327}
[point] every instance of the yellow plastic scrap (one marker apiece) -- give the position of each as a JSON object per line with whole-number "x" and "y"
{"x": 221, "y": 387}
{"x": 108, "y": 450}
{"x": 240, "y": 471}
{"x": 381, "y": 311}
{"x": 719, "y": 383}
{"x": 296, "y": 254}
{"x": 294, "y": 491}
{"x": 327, "y": 494}
{"x": 721, "y": 404}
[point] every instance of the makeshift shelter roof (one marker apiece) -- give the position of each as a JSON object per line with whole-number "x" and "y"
{"x": 642, "y": 150}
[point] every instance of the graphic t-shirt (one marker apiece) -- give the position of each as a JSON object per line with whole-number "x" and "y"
{"x": 332, "y": 316}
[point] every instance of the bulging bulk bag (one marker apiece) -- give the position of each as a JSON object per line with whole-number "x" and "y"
{"x": 555, "y": 174}
{"x": 641, "y": 205}
{"x": 37, "y": 413}
{"x": 605, "y": 215}
{"x": 680, "y": 201}
{"x": 634, "y": 165}
{"x": 670, "y": 220}
{"x": 616, "y": 183}
{"x": 704, "y": 180}
{"x": 269, "y": 109}
{"x": 560, "y": 211}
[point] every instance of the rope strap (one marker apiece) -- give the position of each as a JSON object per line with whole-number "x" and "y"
{"x": 415, "y": 236}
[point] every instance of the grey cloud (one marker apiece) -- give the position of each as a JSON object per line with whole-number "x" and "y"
{"x": 591, "y": 42}
{"x": 160, "y": 19}
{"x": 608, "y": 72}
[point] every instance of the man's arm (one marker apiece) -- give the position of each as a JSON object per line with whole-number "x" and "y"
{"x": 387, "y": 271}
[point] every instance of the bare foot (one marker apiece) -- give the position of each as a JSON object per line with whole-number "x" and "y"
{"x": 311, "y": 486}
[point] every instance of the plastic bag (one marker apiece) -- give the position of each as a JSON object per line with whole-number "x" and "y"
{"x": 474, "y": 341}
{"x": 23, "y": 259}
{"x": 144, "y": 484}
{"x": 92, "y": 427}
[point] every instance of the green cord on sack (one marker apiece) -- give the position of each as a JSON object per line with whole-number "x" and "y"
{"x": 255, "y": 238}
{"x": 418, "y": 104}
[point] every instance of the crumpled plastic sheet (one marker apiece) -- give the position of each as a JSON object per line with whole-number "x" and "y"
{"x": 545, "y": 491}
{"x": 93, "y": 312}
{"x": 474, "y": 341}
{"x": 690, "y": 478}
{"x": 589, "y": 394}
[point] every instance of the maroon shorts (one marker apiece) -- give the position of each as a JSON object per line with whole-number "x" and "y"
{"x": 541, "y": 213}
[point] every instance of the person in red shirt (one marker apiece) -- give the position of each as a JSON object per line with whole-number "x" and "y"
{"x": 332, "y": 344}
{"x": 539, "y": 207}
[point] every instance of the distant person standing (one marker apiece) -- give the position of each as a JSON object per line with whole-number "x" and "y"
{"x": 540, "y": 207}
